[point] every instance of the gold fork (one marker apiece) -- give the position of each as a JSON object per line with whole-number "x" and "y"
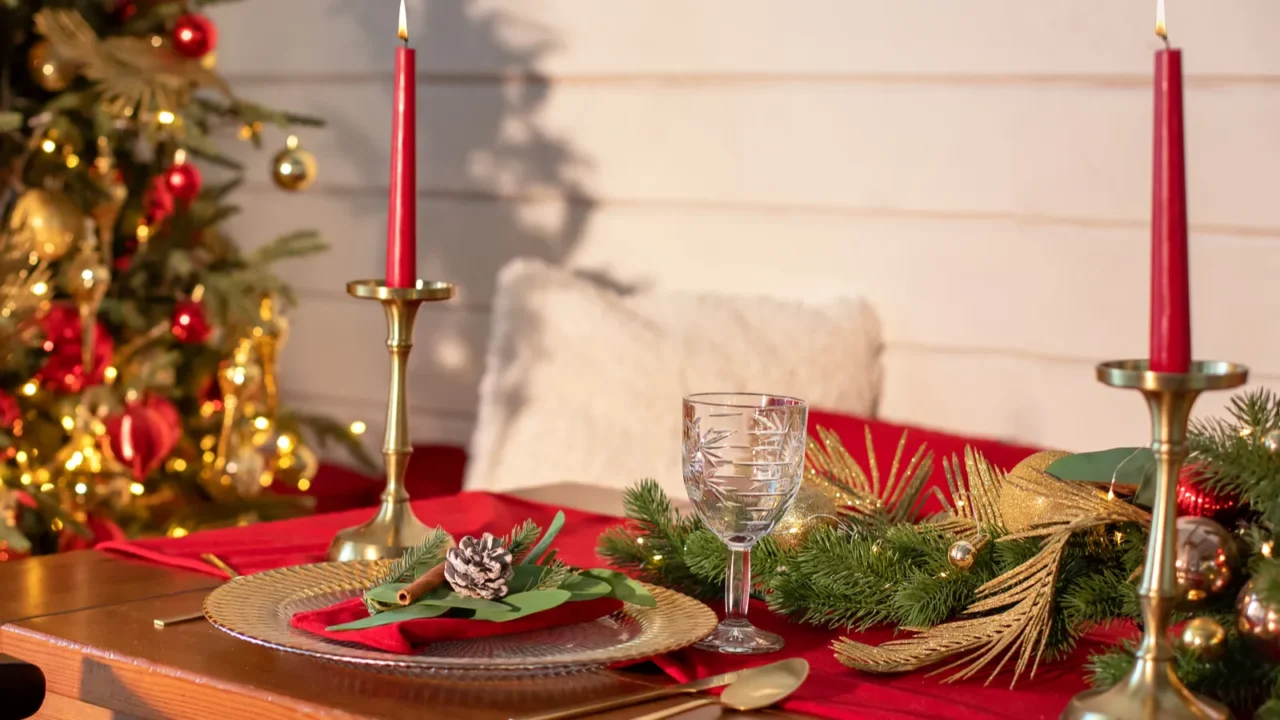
{"x": 215, "y": 561}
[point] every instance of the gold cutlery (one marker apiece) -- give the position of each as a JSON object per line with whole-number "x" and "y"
{"x": 215, "y": 561}
{"x": 754, "y": 689}
{"x": 645, "y": 696}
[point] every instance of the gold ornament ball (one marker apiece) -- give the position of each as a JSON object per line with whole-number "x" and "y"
{"x": 1204, "y": 638}
{"x": 50, "y": 71}
{"x": 296, "y": 467}
{"x": 811, "y": 509}
{"x": 1022, "y": 509}
{"x": 1257, "y": 619}
{"x": 47, "y": 222}
{"x": 293, "y": 168}
{"x": 1204, "y": 555}
{"x": 962, "y": 554}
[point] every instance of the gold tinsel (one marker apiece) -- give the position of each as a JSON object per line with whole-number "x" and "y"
{"x": 1023, "y": 596}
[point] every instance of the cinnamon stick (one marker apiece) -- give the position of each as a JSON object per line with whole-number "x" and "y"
{"x": 430, "y": 580}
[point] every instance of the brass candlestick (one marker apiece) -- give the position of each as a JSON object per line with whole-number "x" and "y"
{"x": 394, "y": 527}
{"x": 1152, "y": 691}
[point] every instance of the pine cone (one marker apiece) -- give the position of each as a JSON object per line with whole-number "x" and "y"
{"x": 479, "y": 568}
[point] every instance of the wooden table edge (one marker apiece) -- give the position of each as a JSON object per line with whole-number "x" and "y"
{"x": 51, "y": 654}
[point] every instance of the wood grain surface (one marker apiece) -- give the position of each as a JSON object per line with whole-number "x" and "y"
{"x": 103, "y": 659}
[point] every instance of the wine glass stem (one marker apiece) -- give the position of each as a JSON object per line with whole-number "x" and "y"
{"x": 737, "y": 586}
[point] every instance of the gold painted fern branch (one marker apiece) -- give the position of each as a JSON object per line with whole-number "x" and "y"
{"x": 1022, "y": 599}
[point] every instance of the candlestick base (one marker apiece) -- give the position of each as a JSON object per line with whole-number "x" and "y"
{"x": 394, "y": 528}
{"x": 1152, "y": 690}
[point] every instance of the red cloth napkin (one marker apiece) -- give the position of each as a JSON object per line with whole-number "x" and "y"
{"x": 408, "y": 636}
{"x": 266, "y": 546}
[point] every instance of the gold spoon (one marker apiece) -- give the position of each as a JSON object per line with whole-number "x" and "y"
{"x": 215, "y": 561}
{"x": 754, "y": 689}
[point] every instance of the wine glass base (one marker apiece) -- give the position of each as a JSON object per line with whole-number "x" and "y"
{"x": 741, "y": 638}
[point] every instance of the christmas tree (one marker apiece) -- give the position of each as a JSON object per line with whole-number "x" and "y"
{"x": 138, "y": 392}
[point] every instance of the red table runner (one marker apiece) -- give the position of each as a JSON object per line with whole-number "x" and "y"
{"x": 831, "y": 692}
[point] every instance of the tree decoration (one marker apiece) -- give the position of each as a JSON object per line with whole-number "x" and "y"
{"x": 64, "y": 370}
{"x": 194, "y": 36}
{"x": 183, "y": 178}
{"x": 47, "y": 222}
{"x": 293, "y": 168}
{"x": 144, "y": 434}
{"x": 48, "y": 68}
{"x": 1204, "y": 638}
{"x": 158, "y": 203}
{"x": 130, "y": 72}
{"x": 1204, "y": 555}
{"x": 190, "y": 323}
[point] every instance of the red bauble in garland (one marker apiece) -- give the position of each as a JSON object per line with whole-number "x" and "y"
{"x": 194, "y": 36}
{"x": 64, "y": 371}
{"x": 1196, "y": 500}
{"x": 190, "y": 324}
{"x": 183, "y": 180}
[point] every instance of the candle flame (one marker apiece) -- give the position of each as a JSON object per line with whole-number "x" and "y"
{"x": 1160, "y": 27}
{"x": 404, "y": 23}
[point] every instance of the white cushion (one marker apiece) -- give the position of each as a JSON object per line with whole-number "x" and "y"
{"x": 583, "y": 384}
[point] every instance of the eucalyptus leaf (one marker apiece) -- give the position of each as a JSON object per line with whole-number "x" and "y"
{"x": 585, "y": 588}
{"x": 386, "y": 593}
{"x": 452, "y": 599}
{"x": 623, "y": 587}
{"x": 552, "y": 530}
{"x": 526, "y": 603}
{"x": 413, "y": 612}
{"x": 523, "y": 578}
{"x": 1129, "y": 466}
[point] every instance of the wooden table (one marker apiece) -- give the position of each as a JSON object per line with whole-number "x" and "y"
{"x": 85, "y": 619}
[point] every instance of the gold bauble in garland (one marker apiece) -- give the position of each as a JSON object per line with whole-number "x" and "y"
{"x": 812, "y": 509}
{"x": 293, "y": 168}
{"x": 1258, "y": 620}
{"x": 47, "y": 222}
{"x": 1204, "y": 638}
{"x": 1020, "y": 508}
{"x": 51, "y": 72}
{"x": 1203, "y": 555}
{"x": 963, "y": 553}
{"x": 295, "y": 464}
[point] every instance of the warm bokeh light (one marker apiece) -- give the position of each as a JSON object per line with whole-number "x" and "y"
{"x": 137, "y": 488}
{"x": 358, "y": 427}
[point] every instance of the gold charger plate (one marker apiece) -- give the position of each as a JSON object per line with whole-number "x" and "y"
{"x": 258, "y": 607}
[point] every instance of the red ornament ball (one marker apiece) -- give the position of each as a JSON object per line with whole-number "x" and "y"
{"x": 10, "y": 412}
{"x": 144, "y": 434}
{"x": 194, "y": 36}
{"x": 1195, "y": 500}
{"x": 63, "y": 370}
{"x": 183, "y": 180}
{"x": 190, "y": 325}
{"x": 157, "y": 202}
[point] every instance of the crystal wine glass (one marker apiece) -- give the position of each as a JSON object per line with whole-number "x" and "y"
{"x": 743, "y": 462}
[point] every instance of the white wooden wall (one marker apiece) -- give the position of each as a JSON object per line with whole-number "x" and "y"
{"x": 979, "y": 169}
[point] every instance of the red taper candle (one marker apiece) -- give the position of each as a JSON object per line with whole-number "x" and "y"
{"x": 1170, "y": 287}
{"x": 402, "y": 233}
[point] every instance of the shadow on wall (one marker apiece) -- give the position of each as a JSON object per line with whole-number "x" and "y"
{"x": 489, "y": 177}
